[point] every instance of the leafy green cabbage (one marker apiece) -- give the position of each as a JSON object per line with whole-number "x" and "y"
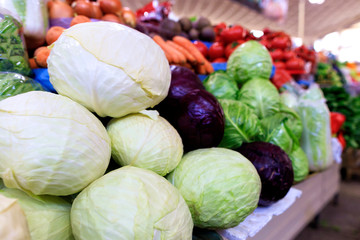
{"x": 251, "y": 59}
{"x": 221, "y": 85}
{"x": 299, "y": 162}
{"x": 220, "y": 186}
{"x": 131, "y": 203}
{"x": 145, "y": 140}
{"x": 50, "y": 144}
{"x": 260, "y": 95}
{"x": 241, "y": 124}
{"x": 114, "y": 72}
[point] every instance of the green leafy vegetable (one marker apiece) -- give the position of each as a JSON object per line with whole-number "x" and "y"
{"x": 260, "y": 95}
{"x": 12, "y": 84}
{"x": 241, "y": 124}
{"x": 299, "y": 162}
{"x": 221, "y": 85}
{"x": 131, "y": 203}
{"x": 316, "y": 135}
{"x": 13, "y": 56}
{"x": 145, "y": 140}
{"x": 249, "y": 60}
{"x": 220, "y": 186}
{"x": 50, "y": 144}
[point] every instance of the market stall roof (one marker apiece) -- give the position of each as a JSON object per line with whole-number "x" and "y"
{"x": 320, "y": 19}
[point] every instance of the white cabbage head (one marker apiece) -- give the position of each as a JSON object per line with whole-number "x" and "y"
{"x": 145, "y": 140}
{"x": 50, "y": 144}
{"x": 109, "y": 68}
{"x": 131, "y": 203}
{"x": 47, "y": 217}
{"x": 12, "y": 220}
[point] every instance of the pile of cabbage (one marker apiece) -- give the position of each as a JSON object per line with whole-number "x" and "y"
{"x": 69, "y": 173}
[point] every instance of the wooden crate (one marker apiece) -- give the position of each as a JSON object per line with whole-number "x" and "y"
{"x": 351, "y": 162}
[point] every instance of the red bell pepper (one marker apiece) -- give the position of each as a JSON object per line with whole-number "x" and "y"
{"x": 341, "y": 139}
{"x": 336, "y": 121}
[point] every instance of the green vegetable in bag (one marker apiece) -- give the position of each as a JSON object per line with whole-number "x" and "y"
{"x": 13, "y": 55}
{"x": 241, "y": 124}
{"x": 221, "y": 85}
{"x": 316, "y": 135}
{"x": 12, "y": 84}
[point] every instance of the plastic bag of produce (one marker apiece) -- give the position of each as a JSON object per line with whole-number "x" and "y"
{"x": 12, "y": 84}
{"x": 34, "y": 16}
{"x": 13, "y": 54}
{"x": 316, "y": 135}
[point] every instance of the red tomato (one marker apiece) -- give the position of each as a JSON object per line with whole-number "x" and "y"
{"x": 279, "y": 65}
{"x": 277, "y": 54}
{"x": 216, "y": 50}
{"x": 219, "y": 28}
{"x": 266, "y": 43}
{"x": 202, "y": 48}
{"x": 219, "y": 60}
{"x": 281, "y": 42}
{"x": 295, "y": 63}
{"x": 232, "y": 34}
{"x": 230, "y": 48}
{"x": 280, "y": 77}
{"x": 288, "y": 55}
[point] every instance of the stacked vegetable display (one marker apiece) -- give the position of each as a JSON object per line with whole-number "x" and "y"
{"x": 183, "y": 152}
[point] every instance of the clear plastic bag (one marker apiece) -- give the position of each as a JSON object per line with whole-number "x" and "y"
{"x": 13, "y": 54}
{"x": 12, "y": 84}
{"x": 316, "y": 135}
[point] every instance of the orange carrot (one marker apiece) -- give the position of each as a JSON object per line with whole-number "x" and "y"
{"x": 200, "y": 68}
{"x": 170, "y": 55}
{"x": 181, "y": 49}
{"x": 188, "y": 45}
{"x": 53, "y": 34}
{"x": 208, "y": 67}
{"x": 41, "y": 57}
{"x": 181, "y": 56}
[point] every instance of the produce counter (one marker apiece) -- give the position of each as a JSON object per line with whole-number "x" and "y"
{"x": 317, "y": 191}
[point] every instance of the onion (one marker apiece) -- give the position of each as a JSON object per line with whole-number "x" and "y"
{"x": 128, "y": 16}
{"x": 59, "y": 9}
{"x": 111, "y": 6}
{"x": 112, "y": 18}
{"x": 87, "y": 8}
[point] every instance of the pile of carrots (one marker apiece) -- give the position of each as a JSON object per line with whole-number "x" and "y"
{"x": 181, "y": 51}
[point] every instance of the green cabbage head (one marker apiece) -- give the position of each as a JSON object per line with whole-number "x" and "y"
{"x": 48, "y": 217}
{"x": 50, "y": 144}
{"x": 12, "y": 220}
{"x": 220, "y": 186}
{"x": 260, "y": 95}
{"x": 131, "y": 203}
{"x": 109, "y": 68}
{"x": 145, "y": 140}
{"x": 251, "y": 59}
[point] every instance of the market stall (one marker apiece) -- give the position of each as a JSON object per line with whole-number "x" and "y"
{"x": 134, "y": 124}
